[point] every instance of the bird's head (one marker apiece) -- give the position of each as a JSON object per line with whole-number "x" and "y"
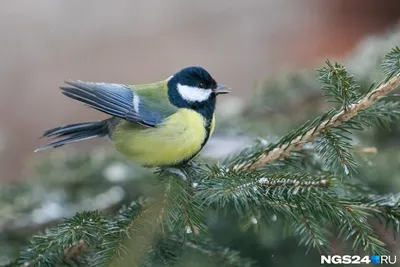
{"x": 194, "y": 87}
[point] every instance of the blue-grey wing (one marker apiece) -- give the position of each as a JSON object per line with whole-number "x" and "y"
{"x": 120, "y": 101}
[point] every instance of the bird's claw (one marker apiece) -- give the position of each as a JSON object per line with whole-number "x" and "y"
{"x": 176, "y": 171}
{"x": 193, "y": 164}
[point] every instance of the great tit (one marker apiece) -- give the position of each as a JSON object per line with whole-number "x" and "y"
{"x": 166, "y": 123}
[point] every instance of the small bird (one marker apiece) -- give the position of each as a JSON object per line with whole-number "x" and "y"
{"x": 160, "y": 124}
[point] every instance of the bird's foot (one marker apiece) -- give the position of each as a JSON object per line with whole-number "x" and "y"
{"x": 193, "y": 164}
{"x": 176, "y": 171}
{"x": 181, "y": 170}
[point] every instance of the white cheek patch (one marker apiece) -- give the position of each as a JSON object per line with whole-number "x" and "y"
{"x": 193, "y": 94}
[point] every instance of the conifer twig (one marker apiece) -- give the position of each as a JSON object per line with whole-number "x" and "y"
{"x": 281, "y": 151}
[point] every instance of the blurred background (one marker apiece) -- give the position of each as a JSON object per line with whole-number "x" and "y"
{"x": 266, "y": 50}
{"x": 241, "y": 43}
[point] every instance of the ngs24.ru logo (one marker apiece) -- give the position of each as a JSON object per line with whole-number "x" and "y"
{"x": 354, "y": 259}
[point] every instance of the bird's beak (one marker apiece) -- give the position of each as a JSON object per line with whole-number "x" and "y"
{"x": 221, "y": 89}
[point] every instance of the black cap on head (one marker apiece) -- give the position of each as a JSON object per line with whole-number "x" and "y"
{"x": 194, "y": 88}
{"x": 196, "y": 77}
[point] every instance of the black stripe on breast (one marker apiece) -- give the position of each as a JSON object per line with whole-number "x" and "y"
{"x": 207, "y": 126}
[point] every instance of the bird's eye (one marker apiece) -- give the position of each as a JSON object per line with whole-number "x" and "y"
{"x": 201, "y": 85}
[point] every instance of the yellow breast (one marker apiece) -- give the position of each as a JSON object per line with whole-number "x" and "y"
{"x": 177, "y": 139}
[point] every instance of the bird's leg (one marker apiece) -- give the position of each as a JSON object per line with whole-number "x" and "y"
{"x": 193, "y": 164}
{"x": 178, "y": 169}
{"x": 175, "y": 170}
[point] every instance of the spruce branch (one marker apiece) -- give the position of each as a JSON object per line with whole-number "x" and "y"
{"x": 119, "y": 231}
{"x": 308, "y": 200}
{"x": 83, "y": 230}
{"x": 223, "y": 188}
{"x": 311, "y": 234}
{"x": 391, "y": 64}
{"x": 383, "y": 113}
{"x": 334, "y": 148}
{"x": 172, "y": 209}
{"x": 386, "y": 208}
{"x": 143, "y": 229}
{"x": 221, "y": 255}
{"x": 338, "y": 85}
{"x": 362, "y": 233}
{"x": 330, "y": 120}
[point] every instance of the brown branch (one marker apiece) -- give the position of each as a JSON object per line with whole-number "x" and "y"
{"x": 72, "y": 253}
{"x": 279, "y": 153}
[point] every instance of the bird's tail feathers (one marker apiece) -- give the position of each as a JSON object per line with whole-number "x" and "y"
{"x": 74, "y": 133}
